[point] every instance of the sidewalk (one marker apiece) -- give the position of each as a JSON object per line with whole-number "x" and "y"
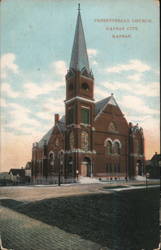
{"x": 21, "y": 232}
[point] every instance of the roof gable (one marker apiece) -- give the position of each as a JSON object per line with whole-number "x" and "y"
{"x": 60, "y": 125}
{"x": 102, "y": 104}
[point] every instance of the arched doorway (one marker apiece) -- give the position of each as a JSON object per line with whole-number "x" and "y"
{"x": 139, "y": 168}
{"x": 70, "y": 166}
{"x": 86, "y": 168}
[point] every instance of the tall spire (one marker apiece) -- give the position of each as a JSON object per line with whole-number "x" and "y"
{"x": 79, "y": 58}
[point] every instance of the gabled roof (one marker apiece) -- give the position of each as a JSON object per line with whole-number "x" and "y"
{"x": 45, "y": 139}
{"x": 100, "y": 105}
{"x": 156, "y": 157}
{"x": 61, "y": 124}
{"x": 79, "y": 57}
{"x": 17, "y": 171}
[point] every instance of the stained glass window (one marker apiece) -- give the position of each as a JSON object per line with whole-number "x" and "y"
{"x": 109, "y": 147}
{"x": 84, "y": 140}
{"x": 117, "y": 148}
{"x": 70, "y": 115}
{"x": 71, "y": 140}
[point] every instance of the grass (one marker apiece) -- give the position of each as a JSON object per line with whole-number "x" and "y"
{"x": 126, "y": 220}
{"x": 144, "y": 184}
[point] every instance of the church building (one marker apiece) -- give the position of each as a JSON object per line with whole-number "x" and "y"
{"x": 92, "y": 139}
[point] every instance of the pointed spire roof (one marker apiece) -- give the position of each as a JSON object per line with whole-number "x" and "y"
{"x": 79, "y": 58}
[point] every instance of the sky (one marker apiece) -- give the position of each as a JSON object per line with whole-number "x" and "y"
{"x": 36, "y": 43}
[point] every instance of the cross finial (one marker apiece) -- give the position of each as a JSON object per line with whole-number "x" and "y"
{"x": 79, "y": 7}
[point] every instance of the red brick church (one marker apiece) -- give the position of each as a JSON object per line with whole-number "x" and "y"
{"x": 92, "y": 139}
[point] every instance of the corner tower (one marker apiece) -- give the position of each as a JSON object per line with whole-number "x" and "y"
{"x": 79, "y": 105}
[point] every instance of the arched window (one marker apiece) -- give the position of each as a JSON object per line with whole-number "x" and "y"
{"x": 109, "y": 147}
{"x": 70, "y": 115}
{"x": 116, "y": 147}
{"x": 84, "y": 140}
{"x": 107, "y": 168}
{"x": 70, "y": 86}
{"x": 85, "y": 86}
{"x": 51, "y": 155}
{"x": 85, "y": 116}
{"x": 110, "y": 168}
{"x": 71, "y": 140}
{"x": 70, "y": 166}
{"x": 138, "y": 146}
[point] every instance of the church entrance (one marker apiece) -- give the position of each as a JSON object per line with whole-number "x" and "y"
{"x": 139, "y": 168}
{"x": 70, "y": 166}
{"x": 86, "y": 167}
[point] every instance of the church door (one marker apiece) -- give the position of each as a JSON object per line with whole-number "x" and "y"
{"x": 86, "y": 167}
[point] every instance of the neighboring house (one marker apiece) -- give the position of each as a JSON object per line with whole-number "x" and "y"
{"x": 92, "y": 138}
{"x": 28, "y": 172}
{"x": 17, "y": 175}
{"x": 153, "y": 166}
{"x": 4, "y": 178}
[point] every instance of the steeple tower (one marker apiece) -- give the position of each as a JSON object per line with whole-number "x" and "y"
{"x": 79, "y": 104}
{"x": 79, "y": 58}
{"x": 79, "y": 79}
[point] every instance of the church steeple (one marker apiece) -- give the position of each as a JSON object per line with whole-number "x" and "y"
{"x": 79, "y": 57}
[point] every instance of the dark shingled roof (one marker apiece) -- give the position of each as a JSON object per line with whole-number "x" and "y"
{"x": 46, "y": 137}
{"x": 17, "y": 171}
{"x": 100, "y": 104}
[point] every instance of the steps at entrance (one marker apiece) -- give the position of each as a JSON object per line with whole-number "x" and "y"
{"x": 140, "y": 178}
{"x": 86, "y": 180}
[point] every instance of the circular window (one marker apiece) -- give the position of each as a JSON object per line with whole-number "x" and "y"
{"x": 85, "y": 86}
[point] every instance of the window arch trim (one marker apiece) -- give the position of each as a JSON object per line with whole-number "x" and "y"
{"x": 106, "y": 141}
{"x": 118, "y": 141}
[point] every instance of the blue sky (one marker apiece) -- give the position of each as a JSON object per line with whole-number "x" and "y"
{"x": 36, "y": 43}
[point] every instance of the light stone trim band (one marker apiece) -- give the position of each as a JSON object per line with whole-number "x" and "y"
{"x": 79, "y": 98}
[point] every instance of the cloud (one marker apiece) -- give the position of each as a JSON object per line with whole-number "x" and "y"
{"x": 92, "y": 52}
{"x": 146, "y": 89}
{"x": 135, "y": 77}
{"x": 3, "y": 102}
{"x": 6, "y": 88}
{"x": 8, "y": 64}
{"x": 21, "y": 119}
{"x": 137, "y": 104}
{"x": 44, "y": 115}
{"x": 33, "y": 90}
{"x": 134, "y": 65}
{"x": 54, "y": 106}
{"x": 100, "y": 93}
{"x": 60, "y": 68}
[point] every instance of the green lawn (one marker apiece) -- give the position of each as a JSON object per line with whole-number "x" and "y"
{"x": 127, "y": 220}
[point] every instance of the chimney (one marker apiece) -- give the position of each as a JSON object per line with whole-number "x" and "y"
{"x": 56, "y": 118}
{"x": 130, "y": 124}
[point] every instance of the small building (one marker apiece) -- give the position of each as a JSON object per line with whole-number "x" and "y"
{"x": 153, "y": 166}
{"x": 28, "y": 172}
{"x": 17, "y": 175}
{"x": 5, "y": 179}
